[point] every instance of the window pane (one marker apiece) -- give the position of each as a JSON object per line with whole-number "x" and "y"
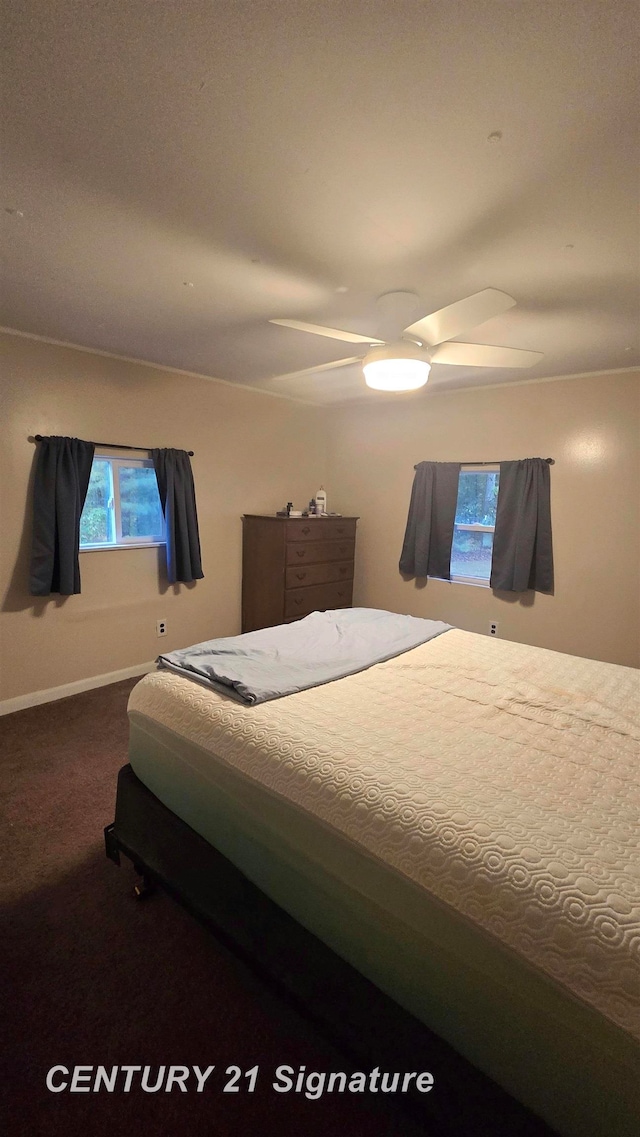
{"x": 97, "y": 522}
{"x": 140, "y": 509}
{"x": 471, "y": 554}
{"x": 477, "y": 500}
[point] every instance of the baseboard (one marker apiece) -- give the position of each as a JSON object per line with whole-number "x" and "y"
{"x": 21, "y": 702}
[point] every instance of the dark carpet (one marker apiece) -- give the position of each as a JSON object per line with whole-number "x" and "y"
{"x": 93, "y": 977}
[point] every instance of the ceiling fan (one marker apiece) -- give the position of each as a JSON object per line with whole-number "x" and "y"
{"x": 403, "y": 362}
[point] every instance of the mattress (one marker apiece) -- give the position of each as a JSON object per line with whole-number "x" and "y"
{"x": 488, "y": 780}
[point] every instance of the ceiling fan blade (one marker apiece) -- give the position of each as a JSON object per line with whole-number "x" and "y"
{"x": 316, "y": 370}
{"x": 482, "y": 355}
{"x": 459, "y": 317}
{"x": 332, "y": 333}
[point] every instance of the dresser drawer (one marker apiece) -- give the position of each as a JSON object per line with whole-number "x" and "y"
{"x": 310, "y": 552}
{"x": 298, "y": 576}
{"x": 302, "y": 601}
{"x": 324, "y": 528}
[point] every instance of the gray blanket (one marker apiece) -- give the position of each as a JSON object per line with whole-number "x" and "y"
{"x": 272, "y": 662}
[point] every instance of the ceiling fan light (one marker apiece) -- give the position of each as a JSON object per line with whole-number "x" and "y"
{"x": 396, "y": 374}
{"x": 396, "y": 367}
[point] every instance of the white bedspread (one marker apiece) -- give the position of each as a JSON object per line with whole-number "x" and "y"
{"x": 502, "y": 778}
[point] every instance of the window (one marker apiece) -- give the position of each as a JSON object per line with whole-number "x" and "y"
{"x": 122, "y": 508}
{"x": 475, "y": 521}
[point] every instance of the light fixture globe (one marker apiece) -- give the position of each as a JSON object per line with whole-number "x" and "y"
{"x": 399, "y": 366}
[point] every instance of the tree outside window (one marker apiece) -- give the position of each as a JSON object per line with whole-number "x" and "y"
{"x": 474, "y": 526}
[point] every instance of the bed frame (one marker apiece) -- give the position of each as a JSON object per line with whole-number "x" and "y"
{"x": 368, "y": 1027}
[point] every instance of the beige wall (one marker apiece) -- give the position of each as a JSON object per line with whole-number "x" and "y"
{"x": 253, "y": 452}
{"x": 590, "y": 427}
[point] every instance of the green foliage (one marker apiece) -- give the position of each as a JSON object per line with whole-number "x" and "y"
{"x": 139, "y": 502}
{"x": 477, "y": 501}
{"x": 95, "y": 521}
{"x": 477, "y": 498}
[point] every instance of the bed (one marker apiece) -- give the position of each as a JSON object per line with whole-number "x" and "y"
{"x": 459, "y": 823}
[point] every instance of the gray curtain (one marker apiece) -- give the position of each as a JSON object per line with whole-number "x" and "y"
{"x": 432, "y": 511}
{"x": 178, "y": 498}
{"x": 522, "y": 551}
{"x": 62, "y": 479}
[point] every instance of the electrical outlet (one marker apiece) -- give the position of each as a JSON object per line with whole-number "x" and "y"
{"x": 493, "y": 629}
{"x": 161, "y": 627}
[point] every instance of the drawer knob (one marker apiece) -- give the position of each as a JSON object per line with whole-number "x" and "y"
{"x": 343, "y": 570}
{"x": 342, "y": 548}
{"x": 300, "y": 575}
{"x": 306, "y": 530}
{"x": 340, "y": 528}
{"x": 297, "y": 600}
{"x": 301, "y": 552}
{"x": 341, "y": 593}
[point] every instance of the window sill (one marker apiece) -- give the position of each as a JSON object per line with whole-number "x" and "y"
{"x": 129, "y": 545}
{"x": 467, "y": 580}
{"x": 463, "y": 580}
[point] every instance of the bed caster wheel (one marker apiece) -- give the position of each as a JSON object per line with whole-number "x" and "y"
{"x": 143, "y": 889}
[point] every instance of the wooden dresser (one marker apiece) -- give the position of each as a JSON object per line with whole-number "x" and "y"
{"x": 292, "y": 566}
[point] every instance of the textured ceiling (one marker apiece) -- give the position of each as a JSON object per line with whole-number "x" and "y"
{"x": 176, "y": 174}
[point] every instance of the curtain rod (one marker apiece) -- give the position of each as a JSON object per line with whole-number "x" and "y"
{"x": 551, "y": 462}
{"x": 113, "y": 445}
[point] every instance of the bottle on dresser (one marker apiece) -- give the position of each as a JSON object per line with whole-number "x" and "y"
{"x": 321, "y": 500}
